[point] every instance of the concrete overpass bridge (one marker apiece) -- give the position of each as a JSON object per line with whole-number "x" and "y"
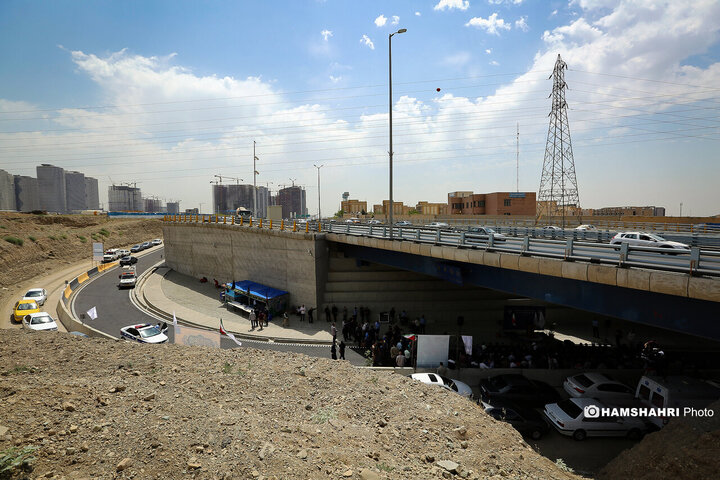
{"x": 426, "y": 273}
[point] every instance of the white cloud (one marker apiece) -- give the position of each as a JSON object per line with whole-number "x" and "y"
{"x": 521, "y": 24}
{"x": 326, "y": 34}
{"x": 488, "y": 51}
{"x": 335, "y": 79}
{"x": 459, "y": 59}
{"x": 395, "y": 21}
{"x": 366, "y": 40}
{"x": 577, "y": 32}
{"x": 380, "y": 21}
{"x": 553, "y": 13}
{"x": 494, "y": 63}
{"x": 499, "y": 2}
{"x": 417, "y": 14}
{"x": 491, "y": 25}
{"x": 452, "y": 4}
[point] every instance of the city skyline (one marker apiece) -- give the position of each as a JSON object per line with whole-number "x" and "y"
{"x": 98, "y": 88}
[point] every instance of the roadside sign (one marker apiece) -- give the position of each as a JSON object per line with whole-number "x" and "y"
{"x": 98, "y": 251}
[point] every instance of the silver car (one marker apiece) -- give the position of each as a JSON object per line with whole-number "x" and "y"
{"x": 641, "y": 239}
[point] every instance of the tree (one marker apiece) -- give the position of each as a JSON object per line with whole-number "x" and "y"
{"x": 339, "y": 213}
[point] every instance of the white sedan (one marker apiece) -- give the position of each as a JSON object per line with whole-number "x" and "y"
{"x": 447, "y": 383}
{"x": 586, "y": 228}
{"x": 582, "y": 417}
{"x": 597, "y": 385}
{"x": 39, "y": 321}
{"x": 145, "y": 333}
{"x": 39, "y": 295}
{"x": 641, "y": 239}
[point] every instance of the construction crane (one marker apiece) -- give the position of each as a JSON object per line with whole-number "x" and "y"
{"x": 237, "y": 179}
{"x": 134, "y": 184}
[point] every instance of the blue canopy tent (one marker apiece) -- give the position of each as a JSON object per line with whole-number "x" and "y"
{"x": 246, "y": 291}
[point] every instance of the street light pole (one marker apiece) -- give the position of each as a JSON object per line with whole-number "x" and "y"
{"x": 390, "y": 218}
{"x": 255, "y": 159}
{"x": 318, "y": 169}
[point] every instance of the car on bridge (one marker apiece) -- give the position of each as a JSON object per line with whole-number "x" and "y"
{"x": 485, "y": 232}
{"x": 24, "y": 307}
{"x": 583, "y": 417}
{"x": 374, "y": 222}
{"x": 37, "y": 294}
{"x": 641, "y": 239}
{"x": 551, "y": 229}
{"x": 145, "y": 333}
{"x": 447, "y": 383}
{"x": 403, "y": 223}
{"x": 586, "y": 228}
{"x": 127, "y": 279}
{"x": 439, "y": 226}
{"x": 41, "y": 321}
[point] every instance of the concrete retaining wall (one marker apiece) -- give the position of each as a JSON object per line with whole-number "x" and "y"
{"x": 294, "y": 262}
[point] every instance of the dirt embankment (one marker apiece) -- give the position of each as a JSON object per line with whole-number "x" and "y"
{"x": 32, "y": 245}
{"x": 99, "y": 408}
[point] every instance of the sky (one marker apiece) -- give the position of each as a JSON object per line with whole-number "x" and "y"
{"x": 168, "y": 94}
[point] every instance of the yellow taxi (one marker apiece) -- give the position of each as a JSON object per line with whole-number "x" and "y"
{"x": 24, "y": 307}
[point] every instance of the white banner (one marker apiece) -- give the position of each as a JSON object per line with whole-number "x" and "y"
{"x": 467, "y": 341}
{"x": 92, "y": 313}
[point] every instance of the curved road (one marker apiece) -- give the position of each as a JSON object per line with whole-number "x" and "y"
{"x": 115, "y": 310}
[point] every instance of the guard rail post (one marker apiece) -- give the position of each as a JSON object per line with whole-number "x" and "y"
{"x": 250, "y": 224}
{"x": 491, "y": 240}
{"x": 384, "y": 231}
{"x": 624, "y": 250}
{"x": 241, "y": 221}
{"x": 294, "y": 226}
{"x": 216, "y": 219}
{"x": 525, "y": 246}
{"x": 417, "y": 235}
{"x": 282, "y": 224}
{"x": 348, "y": 229}
{"x": 319, "y": 226}
{"x": 462, "y": 238}
{"x": 437, "y": 235}
{"x": 307, "y": 227}
{"x": 260, "y": 223}
{"x": 694, "y": 260}
{"x": 270, "y": 224}
{"x": 232, "y": 220}
{"x": 569, "y": 249}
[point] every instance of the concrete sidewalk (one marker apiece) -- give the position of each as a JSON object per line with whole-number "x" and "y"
{"x": 199, "y": 303}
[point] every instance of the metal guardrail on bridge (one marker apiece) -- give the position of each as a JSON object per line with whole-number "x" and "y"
{"x": 579, "y": 246}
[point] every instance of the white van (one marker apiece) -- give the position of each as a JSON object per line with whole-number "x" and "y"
{"x": 111, "y": 255}
{"x": 675, "y": 392}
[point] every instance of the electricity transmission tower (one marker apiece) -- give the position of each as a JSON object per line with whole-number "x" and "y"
{"x": 558, "y": 194}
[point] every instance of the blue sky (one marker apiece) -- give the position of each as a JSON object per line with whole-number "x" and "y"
{"x": 168, "y": 94}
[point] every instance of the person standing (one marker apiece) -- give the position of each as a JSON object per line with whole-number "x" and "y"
{"x": 442, "y": 370}
{"x": 422, "y": 323}
{"x": 333, "y": 351}
{"x": 310, "y": 314}
{"x": 333, "y": 331}
{"x": 253, "y": 317}
{"x": 327, "y": 314}
{"x": 334, "y": 312}
{"x": 342, "y": 350}
{"x": 260, "y": 319}
{"x": 596, "y": 328}
{"x": 302, "y": 312}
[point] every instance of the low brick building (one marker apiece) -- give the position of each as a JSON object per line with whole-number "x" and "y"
{"x": 496, "y": 203}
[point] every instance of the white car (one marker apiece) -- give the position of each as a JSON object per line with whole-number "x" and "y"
{"x": 37, "y": 294}
{"x": 127, "y": 279}
{"x": 586, "y": 228}
{"x": 145, "y": 333}
{"x": 447, "y": 383}
{"x": 123, "y": 253}
{"x": 440, "y": 225}
{"x": 569, "y": 418}
{"x": 352, "y": 220}
{"x": 39, "y": 321}
{"x": 111, "y": 255}
{"x": 597, "y": 385}
{"x": 374, "y": 222}
{"x": 403, "y": 223}
{"x": 551, "y": 228}
{"x": 640, "y": 239}
{"x": 486, "y": 231}
{"x": 157, "y": 241}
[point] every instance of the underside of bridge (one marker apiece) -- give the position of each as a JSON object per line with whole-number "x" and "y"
{"x": 494, "y": 287}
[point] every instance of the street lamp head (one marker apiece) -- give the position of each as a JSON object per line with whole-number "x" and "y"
{"x": 402, "y": 30}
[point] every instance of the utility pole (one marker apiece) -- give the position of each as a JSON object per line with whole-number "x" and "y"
{"x": 318, "y": 169}
{"x": 255, "y": 172}
{"x": 681, "y": 209}
{"x": 390, "y": 97}
{"x": 517, "y": 159}
{"x": 558, "y": 184}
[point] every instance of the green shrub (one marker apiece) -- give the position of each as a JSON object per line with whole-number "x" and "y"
{"x": 82, "y": 239}
{"x": 104, "y": 232}
{"x": 3, "y": 227}
{"x": 63, "y": 236}
{"x": 13, "y": 458}
{"x": 32, "y": 239}
{"x": 15, "y": 241}
{"x": 52, "y": 237}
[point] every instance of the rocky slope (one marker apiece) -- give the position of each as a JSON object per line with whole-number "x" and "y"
{"x": 98, "y": 408}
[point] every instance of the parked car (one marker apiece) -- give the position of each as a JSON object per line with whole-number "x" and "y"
{"x": 24, "y": 307}
{"x": 640, "y": 239}
{"x": 600, "y": 386}
{"x": 145, "y": 333}
{"x": 517, "y": 389}
{"x": 128, "y": 260}
{"x": 447, "y": 383}
{"x": 146, "y": 245}
{"x": 136, "y": 248}
{"x": 37, "y": 294}
{"x": 486, "y": 231}
{"x": 39, "y": 321}
{"x": 527, "y": 421}
{"x": 674, "y": 392}
{"x": 123, "y": 253}
{"x": 573, "y": 418}
{"x": 157, "y": 241}
{"x": 586, "y": 228}
{"x": 127, "y": 280}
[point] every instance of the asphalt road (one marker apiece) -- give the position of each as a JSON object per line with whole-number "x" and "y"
{"x": 115, "y": 310}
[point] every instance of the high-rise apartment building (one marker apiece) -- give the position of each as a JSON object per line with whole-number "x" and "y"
{"x": 228, "y": 198}
{"x": 51, "y": 188}
{"x": 75, "y": 191}
{"x": 92, "y": 198}
{"x": 26, "y": 193}
{"x": 292, "y": 200}
{"x": 122, "y": 198}
{"x": 7, "y": 191}
{"x": 173, "y": 208}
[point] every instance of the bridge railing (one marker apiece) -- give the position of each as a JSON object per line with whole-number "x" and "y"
{"x": 573, "y": 245}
